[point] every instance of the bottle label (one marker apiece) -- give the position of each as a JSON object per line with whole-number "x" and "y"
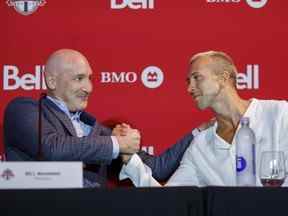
{"x": 240, "y": 163}
{"x": 254, "y": 156}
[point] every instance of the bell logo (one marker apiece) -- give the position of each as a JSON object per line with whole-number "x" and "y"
{"x": 250, "y": 80}
{"x": 12, "y": 80}
{"x": 256, "y": 3}
{"x": 132, "y": 4}
{"x": 152, "y": 77}
{"x": 148, "y": 149}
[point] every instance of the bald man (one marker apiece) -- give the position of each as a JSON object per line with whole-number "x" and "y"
{"x": 71, "y": 134}
{"x": 68, "y": 78}
{"x": 68, "y": 132}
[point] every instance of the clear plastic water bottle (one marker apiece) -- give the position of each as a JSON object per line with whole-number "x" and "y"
{"x": 245, "y": 155}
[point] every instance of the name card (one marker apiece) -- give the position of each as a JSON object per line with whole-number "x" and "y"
{"x": 41, "y": 175}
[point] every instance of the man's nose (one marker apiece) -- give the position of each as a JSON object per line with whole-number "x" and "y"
{"x": 190, "y": 87}
{"x": 88, "y": 87}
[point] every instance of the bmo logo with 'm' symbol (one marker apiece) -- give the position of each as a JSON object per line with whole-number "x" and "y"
{"x": 257, "y": 3}
{"x": 152, "y": 77}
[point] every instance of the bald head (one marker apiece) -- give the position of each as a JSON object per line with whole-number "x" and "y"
{"x": 64, "y": 60}
{"x": 67, "y": 75}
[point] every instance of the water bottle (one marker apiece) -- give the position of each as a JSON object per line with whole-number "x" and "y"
{"x": 245, "y": 155}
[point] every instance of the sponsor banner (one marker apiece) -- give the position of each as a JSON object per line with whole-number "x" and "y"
{"x": 151, "y": 77}
{"x": 139, "y": 50}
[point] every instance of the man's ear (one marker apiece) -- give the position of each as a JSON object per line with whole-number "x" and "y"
{"x": 225, "y": 76}
{"x": 51, "y": 82}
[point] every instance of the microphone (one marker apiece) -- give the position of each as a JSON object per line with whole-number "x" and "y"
{"x": 40, "y": 111}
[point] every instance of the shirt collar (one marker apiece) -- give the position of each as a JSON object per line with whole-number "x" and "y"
{"x": 221, "y": 143}
{"x": 62, "y": 106}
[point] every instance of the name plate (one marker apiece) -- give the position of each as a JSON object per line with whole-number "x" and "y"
{"x": 41, "y": 175}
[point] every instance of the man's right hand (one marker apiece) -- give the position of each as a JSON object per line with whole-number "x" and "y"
{"x": 130, "y": 143}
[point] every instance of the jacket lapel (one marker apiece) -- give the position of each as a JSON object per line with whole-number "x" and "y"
{"x": 63, "y": 118}
{"x": 90, "y": 120}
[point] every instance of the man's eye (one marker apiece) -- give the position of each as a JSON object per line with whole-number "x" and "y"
{"x": 79, "y": 78}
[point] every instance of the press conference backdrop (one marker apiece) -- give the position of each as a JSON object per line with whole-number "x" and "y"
{"x": 139, "y": 51}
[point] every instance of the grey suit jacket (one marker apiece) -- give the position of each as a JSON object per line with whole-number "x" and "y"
{"x": 60, "y": 143}
{"x": 59, "y": 140}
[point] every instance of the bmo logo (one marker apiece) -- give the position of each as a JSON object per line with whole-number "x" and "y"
{"x": 249, "y": 79}
{"x": 132, "y": 4}
{"x": 118, "y": 77}
{"x": 223, "y": 1}
{"x": 252, "y": 3}
{"x": 256, "y": 3}
{"x": 12, "y": 80}
{"x": 151, "y": 77}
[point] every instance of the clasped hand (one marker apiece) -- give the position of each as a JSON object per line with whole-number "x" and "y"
{"x": 128, "y": 139}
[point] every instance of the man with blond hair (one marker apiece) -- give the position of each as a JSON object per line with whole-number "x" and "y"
{"x": 210, "y": 159}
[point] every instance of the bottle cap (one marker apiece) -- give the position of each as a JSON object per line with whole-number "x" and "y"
{"x": 244, "y": 120}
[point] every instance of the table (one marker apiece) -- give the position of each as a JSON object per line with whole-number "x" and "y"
{"x": 106, "y": 202}
{"x": 234, "y": 201}
{"x": 168, "y": 201}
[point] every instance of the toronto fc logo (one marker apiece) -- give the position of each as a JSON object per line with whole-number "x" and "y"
{"x": 7, "y": 174}
{"x": 26, "y": 7}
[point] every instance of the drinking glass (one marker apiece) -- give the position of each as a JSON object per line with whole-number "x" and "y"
{"x": 272, "y": 168}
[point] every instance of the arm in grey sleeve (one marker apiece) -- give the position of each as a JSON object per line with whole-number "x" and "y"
{"x": 21, "y": 116}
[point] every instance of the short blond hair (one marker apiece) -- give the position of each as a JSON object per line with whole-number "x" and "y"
{"x": 221, "y": 62}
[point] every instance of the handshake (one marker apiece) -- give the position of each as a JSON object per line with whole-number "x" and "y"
{"x": 128, "y": 139}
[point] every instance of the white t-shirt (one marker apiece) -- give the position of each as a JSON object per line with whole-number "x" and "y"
{"x": 210, "y": 160}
